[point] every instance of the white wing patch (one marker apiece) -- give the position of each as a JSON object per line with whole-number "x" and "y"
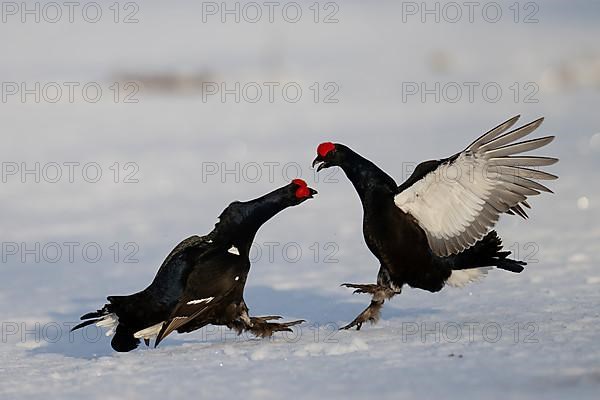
{"x": 447, "y": 202}
{"x": 150, "y": 332}
{"x": 234, "y": 250}
{"x": 200, "y": 301}
{"x": 457, "y": 203}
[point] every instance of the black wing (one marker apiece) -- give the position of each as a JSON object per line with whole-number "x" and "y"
{"x": 176, "y": 266}
{"x": 202, "y": 311}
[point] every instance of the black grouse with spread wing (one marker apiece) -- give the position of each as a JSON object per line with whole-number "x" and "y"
{"x": 202, "y": 280}
{"x": 435, "y": 228}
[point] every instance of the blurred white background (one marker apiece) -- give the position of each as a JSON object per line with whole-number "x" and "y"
{"x": 163, "y": 124}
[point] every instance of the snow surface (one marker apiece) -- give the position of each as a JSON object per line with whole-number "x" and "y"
{"x": 415, "y": 350}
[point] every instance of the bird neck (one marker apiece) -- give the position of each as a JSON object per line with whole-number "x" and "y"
{"x": 263, "y": 212}
{"x": 240, "y": 230}
{"x": 366, "y": 177}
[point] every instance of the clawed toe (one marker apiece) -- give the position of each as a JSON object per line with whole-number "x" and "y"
{"x": 293, "y": 323}
{"x": 351, "y": 285}
{"x": 352, "y": 325}
{"x": 370, "y": 314}
{"x": 358, "y": 322}
{"x": 265, "y": 318}
{"x": 262, "y": 328}
{"x": 285, "y": 327}
{"x": 367, "y": 288}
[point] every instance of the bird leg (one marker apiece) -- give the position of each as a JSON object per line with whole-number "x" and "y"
{"x": 261, "y": 327}
{"x": 372, "y": 313}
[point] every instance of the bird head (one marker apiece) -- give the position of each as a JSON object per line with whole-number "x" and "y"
{"x": 299, "y": 192}
{"x": 243, "y": 218}
{"x": 328, "y": 155}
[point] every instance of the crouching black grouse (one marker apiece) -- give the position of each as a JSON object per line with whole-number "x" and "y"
{"x": 202, "y": 280}
{"x": 434, "y": 229}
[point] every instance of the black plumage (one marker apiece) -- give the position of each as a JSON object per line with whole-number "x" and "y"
{"x": 202, "y": 280}
{"x": 435, "y": 228}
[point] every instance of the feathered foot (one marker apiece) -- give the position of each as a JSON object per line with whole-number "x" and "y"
{"x": 371, "y": 314}
{"x": 261, "y": 327}
{"x": 373, "y": 311}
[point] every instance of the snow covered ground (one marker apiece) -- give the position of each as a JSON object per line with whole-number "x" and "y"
{"x": 164, "y": 163}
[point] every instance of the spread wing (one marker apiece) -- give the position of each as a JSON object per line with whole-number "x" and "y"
{"x": 457, "y": 200}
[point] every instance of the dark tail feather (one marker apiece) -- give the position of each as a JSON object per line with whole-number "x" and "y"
{"x": 486, "y": 253}
{"x": 124, "y": 340}
{"x": 511, "y": 265}
{"x": 85, "y": 323}
{"x": 92, "y": 317}
{"x": 95, "y": 314}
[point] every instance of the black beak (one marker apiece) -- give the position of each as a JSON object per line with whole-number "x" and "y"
{"x": 322, "y": 164}
{"x": 312, "y": 192}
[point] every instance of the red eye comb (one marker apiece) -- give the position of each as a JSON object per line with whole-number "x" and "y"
{"x": 299, "y": 182}
{"x": 302, "y": 192}
{"x": 325, "y": 148}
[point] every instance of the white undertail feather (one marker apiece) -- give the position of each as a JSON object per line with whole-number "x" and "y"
{"x": 109, "y": 321}
{"x": 462, "y": 277}
{"x": 150, "y": 332}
